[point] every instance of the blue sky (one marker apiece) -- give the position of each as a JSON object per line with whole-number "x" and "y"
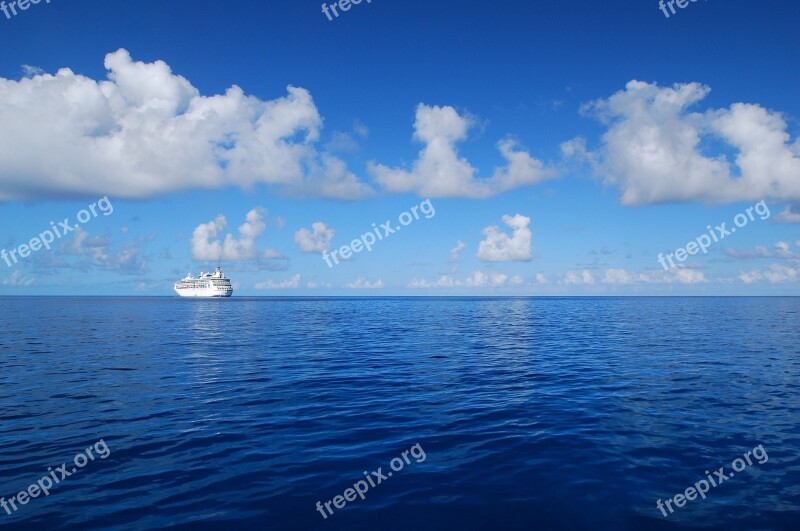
{"x": 564, "y": 144}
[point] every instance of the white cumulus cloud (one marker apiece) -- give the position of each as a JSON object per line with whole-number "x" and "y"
{"x": 440, "y": 172}
{"x": 145, "y": 131}
{"x": 316, "y": 240}
{"x": 207, "y": 247}
{"x": 502, "y": 247}
{"x": 657, "y": 151}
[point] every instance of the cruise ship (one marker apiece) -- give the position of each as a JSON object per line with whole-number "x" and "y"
{"x": 207, "y": 285}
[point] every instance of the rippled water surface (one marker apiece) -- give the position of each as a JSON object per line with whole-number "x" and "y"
{"x": 532, "y": 413}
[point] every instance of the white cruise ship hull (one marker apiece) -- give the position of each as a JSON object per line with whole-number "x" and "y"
{"x": 204, "y": 293}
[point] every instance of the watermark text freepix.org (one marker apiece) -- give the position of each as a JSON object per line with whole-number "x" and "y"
{"x": 343, "y": 5}
{"x": 702, "y": 487}
{"x": 47, "y": 482}
{"x": 664, "y": 4}
{"x": 10, "y": 9}
{"x": 367, "y": 240}
{"x": 56, "y": 231}
{"x": 373, "y": 479}
{"x": 720, "y": 232}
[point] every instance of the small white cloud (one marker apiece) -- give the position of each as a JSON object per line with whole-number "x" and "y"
{"x": 790, "y": 215}
{"x": 17, "y": 280}
{"x": 360, "y": 129}
{"x": 541, "y": 279}
{"x": 445, "y": 281}
{"x": 776, "y": 273}
{"x": 84, "y": 244}
{"x": 617, "y": 276}
{"x": 292, "y": 283}
{"x": 778, "y": 250}
{"x": 342, "y": 143}
{"x": 363, "y": 283}
{"x": 500, "y": 247}
{"x": 585, "y": 277}
{"x": 316, "y": 240}
{"x": 478, "y": 279}
{"x": 749, "y": 277}
{"x": 455, "y": 252}
{"x": 688, "y": 276}
{"x": 272, "y": 254}
{"x": 677, "y": 275}
{"x": 98, "y": 252}
{"x": 30, "y": 71}
{"x": 575, "y": 148}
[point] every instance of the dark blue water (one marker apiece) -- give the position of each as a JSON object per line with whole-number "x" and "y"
{"x": 531, "y": 413}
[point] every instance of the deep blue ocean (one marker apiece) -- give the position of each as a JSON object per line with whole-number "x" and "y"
{"x": 531, "y": 413}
